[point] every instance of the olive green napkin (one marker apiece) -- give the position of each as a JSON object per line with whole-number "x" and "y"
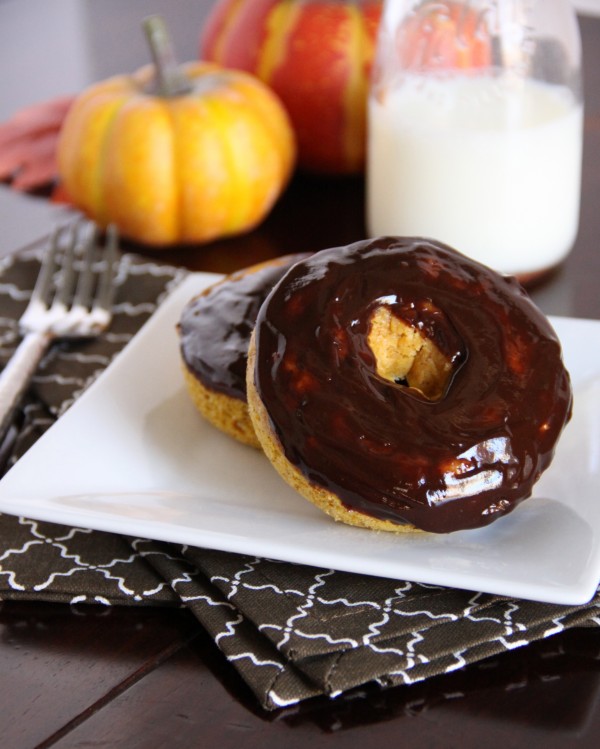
{"x": 292, "y": 631}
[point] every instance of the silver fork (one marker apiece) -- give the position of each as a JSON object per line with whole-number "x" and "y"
{"x": 72, "y": 298}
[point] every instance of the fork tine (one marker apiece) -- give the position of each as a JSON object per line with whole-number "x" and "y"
{"x": 106, "y": 286}
{"x": 42, "y": 322}
{"x": 83, "y": 293}
{"x": 44, "y": 279}
{"x": 64, "y": 285}
{"x": 80, "y": 273}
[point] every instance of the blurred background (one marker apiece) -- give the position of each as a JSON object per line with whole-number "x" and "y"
{"x": 69, "y": 36}
{"x": 50, "y": 48}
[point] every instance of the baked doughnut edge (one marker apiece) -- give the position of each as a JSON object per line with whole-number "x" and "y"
{"x": 325, "y": 501}
{"x": 229, "y": 415}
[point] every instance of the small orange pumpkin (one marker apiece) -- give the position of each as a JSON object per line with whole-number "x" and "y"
{"x": 176, "y": 154}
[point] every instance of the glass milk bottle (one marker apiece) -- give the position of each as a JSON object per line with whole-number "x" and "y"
{"x": 475, "y": 129}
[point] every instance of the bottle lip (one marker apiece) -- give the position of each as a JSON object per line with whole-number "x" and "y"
{"x": 471, "y": 34}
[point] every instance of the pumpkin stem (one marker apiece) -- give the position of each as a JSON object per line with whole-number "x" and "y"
{"x": 170, "y": 79}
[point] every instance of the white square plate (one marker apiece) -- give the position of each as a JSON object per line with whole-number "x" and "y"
{"x": 132, "y": 456}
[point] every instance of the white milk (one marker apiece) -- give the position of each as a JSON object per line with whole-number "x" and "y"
{"x": 494, "y": 174}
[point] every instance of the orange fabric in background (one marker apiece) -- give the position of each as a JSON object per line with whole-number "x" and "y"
{"x": 28, "y": 146}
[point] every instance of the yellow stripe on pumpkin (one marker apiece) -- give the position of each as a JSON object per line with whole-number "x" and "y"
{"x": 209, "y": 201}
{"x": 80, "y": 149}
{"x": 242, "y": 141}
{"x": 138, "y": 176}
{"x": 227, "y": 23}
{"x": 279, "y": 25}
{"x": 239, "y": 151}
{"x": 203, "y": 165}
{"x": 355, "y": 94}
{"x": 275, "y": 120}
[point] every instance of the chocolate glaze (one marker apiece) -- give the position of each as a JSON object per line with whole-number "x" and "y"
{"x": 458, "y": 462}
{"x": 215, "y": 327}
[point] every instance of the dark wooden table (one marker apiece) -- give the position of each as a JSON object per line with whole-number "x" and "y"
{"x": 136, "y": 677}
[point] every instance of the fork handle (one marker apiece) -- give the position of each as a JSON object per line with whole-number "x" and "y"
{"x": 16, "y": 375}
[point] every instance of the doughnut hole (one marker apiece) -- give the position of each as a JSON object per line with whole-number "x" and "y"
{"x": 404, "y": 356}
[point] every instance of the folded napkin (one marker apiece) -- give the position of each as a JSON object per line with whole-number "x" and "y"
{"x": 293, "y": 632}
{"x": 42, "y": 560}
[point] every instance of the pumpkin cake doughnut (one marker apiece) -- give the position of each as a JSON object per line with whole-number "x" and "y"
{"x": 214, "y": 333}
{"x": 399, "y": 385}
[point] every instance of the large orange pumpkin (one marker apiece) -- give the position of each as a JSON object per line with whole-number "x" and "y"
{"x": 204, "y": 158}
{"x": 316, "y": 55}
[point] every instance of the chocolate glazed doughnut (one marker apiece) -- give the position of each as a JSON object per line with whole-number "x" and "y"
{"x": 214, "y": 334}
{"x": 400, "y": 385}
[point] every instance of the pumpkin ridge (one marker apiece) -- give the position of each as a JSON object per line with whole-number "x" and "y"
{"x": 175, "y": 177}
{"x": 137, "y": 188}
{"x": 275, "y": 121}
{"x": 217, "y": 113}
{"x": 245, "y": 167}
{"x": 97, "y": 196}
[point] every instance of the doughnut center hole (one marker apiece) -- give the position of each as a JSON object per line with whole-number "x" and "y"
{"x": 405, "y": 356}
